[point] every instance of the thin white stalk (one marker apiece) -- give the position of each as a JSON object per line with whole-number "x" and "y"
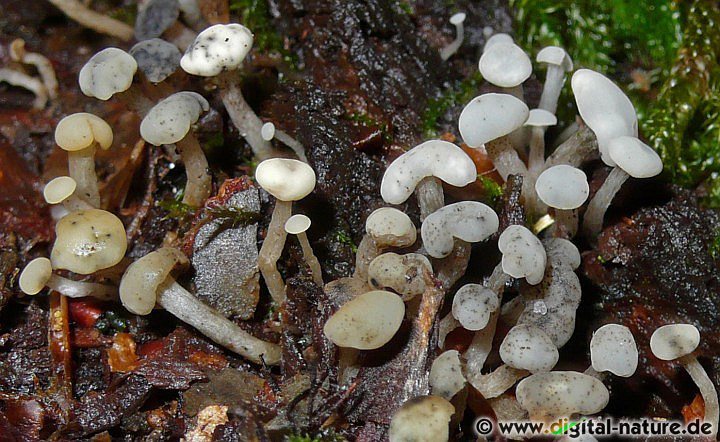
{"x": 272, "y": 249}
{"x": 577, "y": 149}
{"x": 707, "y": 390}
{"x": 449, "y": 50}
{"x": 41, "y": 63}
{"x": 81, "y": 167}
{"x": 595, "y": 213}
{"x": 208, "y": 321}
{"x": 505, "y": 159}
{"x": 81, "y": 289}
{"x": 498, "y": 381}
{"x": 554, "y": 79}
{"x": 32, "y": 84}
{"x": 93, "y": 20}
{"x": 199, "y": 181}
{"x": 292, "y": 143}
{"x": 311, "y": 259}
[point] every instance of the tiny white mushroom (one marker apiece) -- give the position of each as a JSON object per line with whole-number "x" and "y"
{"x": 42, "y": 64}
{"x": 297, "y": 225}
{"x": 107, "y": 73}
{"x": 540, "y": 118}
{"x": 564, "y": 188}
{"x": 456, "y": 20}
{"x": 528, "y": 348}
{"x": 678, "y": 341}
{"x": 613, "y": 349}
{"x": 523, "y": 254}
{"x": 366, "y": 322}
{"x": 402, "y": 273}
{"x": 62, "y": 190}
{"x": 538, "y": 121}
{"x": 632, "y": 158}
{"x": 391, "y": 227}
{"x": 267, "y": 131}
{"x": 446, "y": 378}
{"x": 473, "y": 305}
{"x": 469, "y": 221}
{"x": 170, "y": 122}
{"x": 38, "y": 275}
{"x": 558, "y": 63}
{"x": 506, "y": 65}
{"x": 500, "y": 37}
{"x": 156, "y": 58}
{"x": 490, "y": 116}
{"x": 422, "y": 419}
{"x": 556, "y": 394}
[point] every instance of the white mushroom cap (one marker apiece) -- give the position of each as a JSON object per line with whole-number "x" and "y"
{"x": 674, "y": 341}
{"x": 497, "y": 38}
{"x": 297, "y": 224}
{"x": 87, "y": 241}
{"x": 170, "y": 120}
{"x": 604, "y": 107}
{"x": 563, "y": 187}
{"x": 523, "y": 254}
{"x": 458, "y": 18}
{"x": 35, "y": 275}
{"x": 402, "y": 273}
{"x": 285, "y": 179}
{"x": 267, "y": 131}
{"x": 446, "y": 378}
{"x": 528, "y": 348}
{"x": 555, "y": 55}
{"x": 613, "y": 349}
{"x": 437, "y": 158}
{"x": 491, "y": 116}
{"x": 366, "y": 322}
{"x": 79, "y": 131}
{"x": 562, "y": 251}
{"x": 216, "y": 49}
{"x": 505, "y": 64}
{"x": 156, "y": 58}
{"x": 154, "y": 17}
{"x": 391, "y": 227}
{"x": 59, "y": 189}
{"x": 422, "y": 419}
{"x": 473, "y": 304}
{"x": 469, "y": 221}
{"x": 634, "y": 157}
{"x": 106, "y": 73}
{"x": 139, "y": 284}
{"x": 561, "y": 394}
{"x": 540, "y": 118}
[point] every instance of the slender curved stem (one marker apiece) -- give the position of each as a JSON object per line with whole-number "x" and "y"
{"x": 272, "y": 249}
{"x": 595, "y": 213}
{"x": 580, "y": 147}
{"x": 707, "y": 390}
{"x": 311, "y": 259}
{"x": 453, "y": 47}
{"x": 199, "y": 182}
{"x": 32, "y": 84}
{"x": 93, "y": 20}
{"x": 81, "y": 167}
{"x": 367, "y": 251}
{"x": 81, "y": 289}
{"x": 292, "y": 143}
{"x": 554, "y": 79}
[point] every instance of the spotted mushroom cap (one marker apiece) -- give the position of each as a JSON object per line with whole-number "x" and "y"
{"x": 635, "y": 157}
{"x": 402, "y": 273}
{"x": 139, "y": 284}
{"x": 422, "y": 419}
{"x": 523, "y": 254}
{"x": 674, "y": 341}
{"x": 473, "y": 304}
{"x": 156, "y": 58}
{"x": 563, "y": 187}
{"x": 35, "y": 275}
{"x": 170, "y": 120}
{"x": 285, "y": 179}
{"x": 469, "y": 221}
{"x": 528, "y": 348}
{"x": 561, "y": 393}
{"x": 505, "y": 64}
{"x": 389, "y": 226}
{"x": 446, "y": 378}
{"x": 437, "y": 158}
{"x": 613, "y": 349}
{"x": 106, "y": 73}
{"x": 216, "y": 49}
{"x": 87, "y": 241}
{"x": 79, "y": 131}
{"x": 562, "y": 251}
{"x": 491, "y": 116}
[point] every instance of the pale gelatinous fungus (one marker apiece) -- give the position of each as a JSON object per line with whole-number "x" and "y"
{"x": 678, "y": 342}
{"x": 87, "y": 241}
{"x": 32, "y": 84}
{"x": 422, "y": 419}
{"x": 558, "y": 63}
{"x": 473, "y": 305}
{"x": 505, "y": 64}
{"x": 41, "y": 63}
{"x": 107, "y": 73}
{"x": 170, "y": 122}
{"x": 220, "y": 50}
{"x": 80, "y": 134}
{"x": 446, "y": 378}
{"x": 156, "y": 58}
{"x": 456, "y": 20}
{"x": 366, "y": 322}
{"x": 402, "y": 273}
{"x": 555, "y": 394}
{"x": 38, "y": 274}
{"x": 526, "y": 347}
{"x": 523, "y": 254}
{"x": 76, "y": 10}
{"x": 61, "y": 190}
{"x": 469, "y": 221}
{"x": 390, "y": 227}
{"x": 297, "y": 225}
{"x": 267, "y": 131}
{"x": 148, "y": 281}
{"x": 564, "y": 188}
{"x": 613, "y": 349}
{"x": 287, "y": 180}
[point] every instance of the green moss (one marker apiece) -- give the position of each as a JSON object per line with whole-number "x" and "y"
{"x": 363, "y": 119}
{"x": 715, "y": 246}
{"x": 256, "y": 16}
{"x": 238, "y": 217}
{"x": 458, "y": 94}
{"x": 175, "y": 208}
{"x": 493, "y": 190}
{"x": 344, "y": 238}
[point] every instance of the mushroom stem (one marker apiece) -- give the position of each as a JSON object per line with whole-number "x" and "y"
{"x": 311, "y": 259}
{"x": 199, "y": 182}
{"x": 80, "y": 289}
{"x": 430, "y": 196}
{"x": 577, "y": 149}
{"x": 367, "y": 251}
{"x": 505, "y": 158}
{"x": 93, "y": 20}
{"x": 186, "y": 307}
{"x": 497, "y": 382}
{"x": 536, "y": 157}
{"x": 592, "y": 224}
{"x": 34, "y": 85}
{"x": 590, "y": 371}
{"x": 554, "y": 79}
{"x": 706, "y": 387}
{"x": 272, "y": 249}
{"x": 292, "y": 143}
{"x": 81, "y": 167}
{"x": 243, "y": 117}
{"x": 449, "y": 50}
{"x": 566, "y": 223}
{"x": 41, "y": 63}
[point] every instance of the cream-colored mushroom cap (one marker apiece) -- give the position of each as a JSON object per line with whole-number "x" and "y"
{"x": 473, "y": 304}
{"x": 523, "y": 254}
{"x": 216, "y": 49}
{"x": 563, "y": 187}
{"x": 491, "y": 116}
{"x": 446, "y": 377}
{"x": 562, "y": 251}
{"x": 366, "y": 322}
{"x": 391, "y": 227}
{"x": 422, "y": 419}
{"x": 635, "y": 157}
{"x": 458, "y": 18}
{"x": 35, "y": 275}
{"x": 674, "y": 341}
{"x": 267, "y": 131}
{"x": 139, "y": 284}
{"x": 79, "y": 131}
{"x": 88, "y": 241}
{"x": 470, "y": 221}
{"x": 402, "y": 273}
{"x": 297, "y": 224}
{"x": 613, "y": 349}
{"x": 498, "y": 38}
{"x": 555, "y": 55}
{"x": 561, "y": 393}
{"x": 170, "y": 120}
{"x": 528, "y": 348}
{"x": 108, "y": 72}
{"x": 505, "y": 64}
{"x": 59, "y": 189}
{"x": 437, "y": 158}
{"x": 540, "y": 118}
{"x": 285, "y": 179}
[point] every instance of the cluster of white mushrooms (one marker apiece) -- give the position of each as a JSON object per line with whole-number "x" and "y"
{"x": 394, "y": 264}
